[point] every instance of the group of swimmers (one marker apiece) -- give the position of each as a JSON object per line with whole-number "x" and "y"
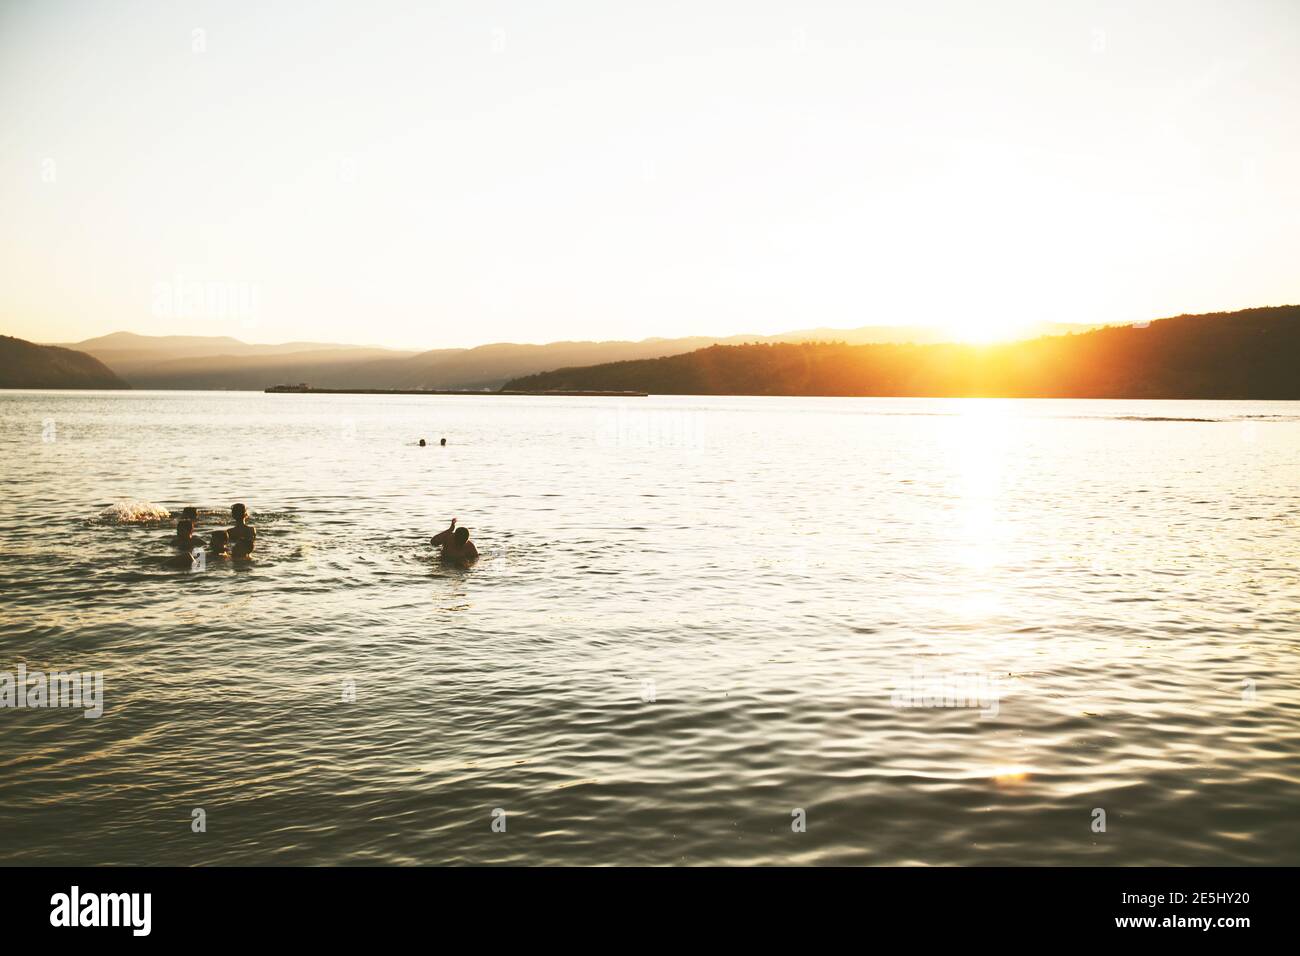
{"x": 234, "y": 542}
{"x": 238, "y": 540}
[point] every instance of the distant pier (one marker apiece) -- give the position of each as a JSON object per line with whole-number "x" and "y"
{"x": 303, "y": 389}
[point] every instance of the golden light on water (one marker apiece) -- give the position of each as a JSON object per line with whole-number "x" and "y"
{"x": 980, "y": 450}
{"x": 1010, "y": 776}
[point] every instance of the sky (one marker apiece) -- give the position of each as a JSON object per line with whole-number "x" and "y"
{"x": 425, "y": 174}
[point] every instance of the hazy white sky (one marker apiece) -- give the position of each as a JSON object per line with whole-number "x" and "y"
{"x": 428, "y": 174}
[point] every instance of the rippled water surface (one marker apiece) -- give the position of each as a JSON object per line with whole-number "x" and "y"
{"x": 696, "y": 624}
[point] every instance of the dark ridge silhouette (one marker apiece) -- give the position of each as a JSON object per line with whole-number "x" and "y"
{"x": 221, "y": 362}
{"x": 1251, "y": 354}
{"x": 25, "y": 364}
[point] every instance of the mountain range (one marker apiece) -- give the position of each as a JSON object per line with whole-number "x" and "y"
{"x": 220, "y": 362}
{"x": 1252, "y": 353}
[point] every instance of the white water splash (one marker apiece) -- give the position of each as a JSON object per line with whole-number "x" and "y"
{"x": 130, "y": 511}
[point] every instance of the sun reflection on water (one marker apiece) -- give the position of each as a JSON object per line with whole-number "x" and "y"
{"x": 1010, "y": 776}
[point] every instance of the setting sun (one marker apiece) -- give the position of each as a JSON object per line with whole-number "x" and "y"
{"x": 985, "y": 330}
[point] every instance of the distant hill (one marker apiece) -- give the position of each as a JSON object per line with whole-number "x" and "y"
{"x": 217, "y": 362}
{"x": 201, "y": 361}
{"x": 24, "y": 364}
{"x": 254, "y": 370}
{"x": 491, "y": 366}
{"x": 1253, "y": 354}
{"x": 176, "y": 346}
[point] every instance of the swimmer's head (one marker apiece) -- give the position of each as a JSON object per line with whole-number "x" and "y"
{"x": 462, "y": 535}
{"x": 184, "y": 528}
{"x": 238, "y": 512}
{"x": 421, "y": 442}
{"x": 443, "y": 442}
{"x": 219, "y": 540}
{"x": 191, "y": 513}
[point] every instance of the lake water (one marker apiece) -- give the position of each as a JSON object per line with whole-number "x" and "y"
{"x": 703, "y": 630}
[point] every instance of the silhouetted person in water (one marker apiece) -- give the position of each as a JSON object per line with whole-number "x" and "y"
{"x": 185, "y": 539}
{"x": 241, "y": 530}
{"x": 443, "y": 443}
{"x": 455, "y": 544}
{"x": 421, "y": 442}
{"x": 243, "y": 548}
{"x": 219, "y": 544}
{"x": 191, "y": 513}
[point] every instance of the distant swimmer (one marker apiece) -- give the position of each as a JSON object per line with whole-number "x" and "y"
{"x": 241, "y": 530}
{"x": 443, "y": 443}
{"x": 242, "y": 549}
{"x": 421, "y": 442}
{"x": 455, "y": 544}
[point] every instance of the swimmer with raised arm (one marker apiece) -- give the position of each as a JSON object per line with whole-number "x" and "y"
{"x": 455, "y": 544}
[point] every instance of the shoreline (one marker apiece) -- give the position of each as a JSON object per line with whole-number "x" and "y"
{"x": 572, "y": 393}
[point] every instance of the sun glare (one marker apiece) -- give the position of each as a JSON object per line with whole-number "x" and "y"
{"x": 985, "y": 330}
